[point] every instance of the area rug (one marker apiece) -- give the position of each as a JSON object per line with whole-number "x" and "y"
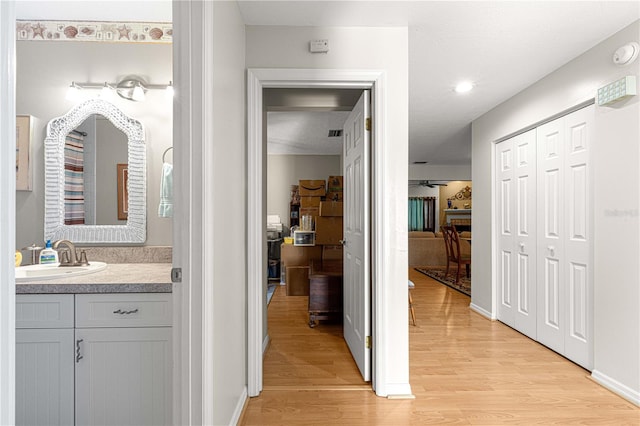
{"x": 463, "y": 286}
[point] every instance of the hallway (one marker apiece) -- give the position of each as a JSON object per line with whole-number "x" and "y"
{"x": 464, "y": 369}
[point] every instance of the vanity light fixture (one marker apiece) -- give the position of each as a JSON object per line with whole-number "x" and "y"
{"x": 106, "y": 92}
{"x": 132, "y": 88}
{"x": 169, "y": 91}
{"x": 138, "y": 92}
{"x": 73, "y": 92}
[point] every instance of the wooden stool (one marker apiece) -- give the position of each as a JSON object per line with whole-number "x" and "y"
{"x": 411, "y": 310}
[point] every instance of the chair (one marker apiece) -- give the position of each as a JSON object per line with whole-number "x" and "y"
{"x": 452, "y": 244}
{"x": 411, "y": 310}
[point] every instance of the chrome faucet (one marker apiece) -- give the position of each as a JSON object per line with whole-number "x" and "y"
{"x": 69, "y": 257}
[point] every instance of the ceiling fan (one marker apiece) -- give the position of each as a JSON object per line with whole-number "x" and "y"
{"x": 427, "y": 183}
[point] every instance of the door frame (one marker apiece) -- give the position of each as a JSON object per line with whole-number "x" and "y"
{"x": 7, "y": 211}
{"x": 257, "y": 80}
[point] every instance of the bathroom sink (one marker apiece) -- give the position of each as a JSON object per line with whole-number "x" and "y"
{"x": 49, "y": 272}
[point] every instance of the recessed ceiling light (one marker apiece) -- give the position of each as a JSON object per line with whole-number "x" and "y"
{"x": 464, "y": 87}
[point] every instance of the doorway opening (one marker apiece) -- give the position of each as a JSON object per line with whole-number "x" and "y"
{"x": 304, "y": 140}
{"x": 259, "y": 79}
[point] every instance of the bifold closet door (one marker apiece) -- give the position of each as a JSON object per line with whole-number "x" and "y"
{"x": 516, "y": 209}
{"x": 564, "y": 204}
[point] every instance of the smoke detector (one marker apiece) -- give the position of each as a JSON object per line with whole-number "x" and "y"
{"x": 626, "y": 54}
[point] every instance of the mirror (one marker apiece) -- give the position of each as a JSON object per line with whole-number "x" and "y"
{"x": 87, "y": 202}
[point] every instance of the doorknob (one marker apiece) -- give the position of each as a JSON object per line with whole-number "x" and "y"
{"x": 521, "y": 247}
{"x": 343, "y": 242}
{"x": 552, "y": 250}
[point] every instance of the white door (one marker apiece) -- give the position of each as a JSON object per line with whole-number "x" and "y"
{"x": 123, "y": 376}
{"x": 516, "y": 173}
{"x": 565, "y": 289}
{"x": 357, "y": 289}
{"x": 578, "y": 206}
{"x": 550, "y": 232}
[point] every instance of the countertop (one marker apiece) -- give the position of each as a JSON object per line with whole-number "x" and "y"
{"x": 116, "y": 278}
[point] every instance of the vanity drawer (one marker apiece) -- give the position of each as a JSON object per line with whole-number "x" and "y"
{"x": 124, "y": 310}
{"x": 44, "y": 311}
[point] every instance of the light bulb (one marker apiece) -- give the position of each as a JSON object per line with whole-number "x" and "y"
{"x": 73, "y": 92}
{"x": 168, "y": 93}
{"x": 138, "y": 93}
{"x": 106, "y": 93}
{"x": 464, "y": 87}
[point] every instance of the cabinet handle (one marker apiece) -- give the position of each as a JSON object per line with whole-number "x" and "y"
{"x": 78, "y": 356}
{"x": 121, "y": 312}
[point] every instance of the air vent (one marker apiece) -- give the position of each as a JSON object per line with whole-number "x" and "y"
{"x": 420, "y": 162}
{"x": 335, "y": 133}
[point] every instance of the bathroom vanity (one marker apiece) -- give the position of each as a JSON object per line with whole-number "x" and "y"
{"x": 95, "y": 349}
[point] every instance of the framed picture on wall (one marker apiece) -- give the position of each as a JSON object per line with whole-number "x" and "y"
{"x": 123, "y": 191}
{"x": 24, "y": 132}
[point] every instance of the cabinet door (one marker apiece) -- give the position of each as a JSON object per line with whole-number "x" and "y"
{"x": 123, "y": 376}
{"x": 44, "y": 377}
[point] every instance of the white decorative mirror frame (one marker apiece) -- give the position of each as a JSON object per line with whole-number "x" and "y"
{"x": 135, "y": 231}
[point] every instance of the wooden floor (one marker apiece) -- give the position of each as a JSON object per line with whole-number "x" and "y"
{"x": 464, "y": 369}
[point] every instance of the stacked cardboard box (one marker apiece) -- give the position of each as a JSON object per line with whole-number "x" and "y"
{"x": 311, "y": 193}
{"x": 329, "y": 222}
{"x": 327, "y": 210}
{"x": 334, "y": 188}
{"x": 295, "y": 262}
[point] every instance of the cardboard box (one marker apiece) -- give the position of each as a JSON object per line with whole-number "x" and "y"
{"x": 297, "y": 279}
{"x": 334, "y": 196}
{"x": 332, "y": 252}
{"x": 298, "y": 255}
{"x": 328, "y": 230}
{"x": 309, "y": 211}
{"x": 312, "y": 188}
{"x": 330, "y": 208}
{"x": 334, "y": 184}
{"x": 310, "y": 201}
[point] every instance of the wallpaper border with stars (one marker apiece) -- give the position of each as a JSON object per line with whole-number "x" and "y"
{"x": 112, "y": 32}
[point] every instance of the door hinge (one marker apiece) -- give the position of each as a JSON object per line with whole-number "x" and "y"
{"x": 176, "y": 275}
{"x": 367, "y": 124}
{"x": 367, "y": 342}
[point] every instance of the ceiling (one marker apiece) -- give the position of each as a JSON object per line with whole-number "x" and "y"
{"x": 501, "y": 46}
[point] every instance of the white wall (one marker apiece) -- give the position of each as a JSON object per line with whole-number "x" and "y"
{"x": 45, "y": 71}
{"x": 379, "y": 49}
{"x": 286, "y": 170}
{"x": 616, "y": 200}
{"x": 229, "y": 185}
{"x": 439, "y": 172}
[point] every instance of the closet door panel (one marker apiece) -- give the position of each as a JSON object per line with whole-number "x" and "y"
{"x": 525, "y": 239}
{"x": 505, "y": 221}
{"x": 578, "y": 242}
{"x": 516, "y": 174}
{"x": 550, "y": 209}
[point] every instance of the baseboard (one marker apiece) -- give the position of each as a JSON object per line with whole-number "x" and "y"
{"x": 633, "y": 396}
{"x": 481, "y": 311}
{"x": 265, "y": 344}
{"x": 239, "y": 410}
{"x": 397, "y": 390}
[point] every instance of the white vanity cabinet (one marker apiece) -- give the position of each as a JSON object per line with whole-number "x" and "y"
{"x": 123, "y": 359}
{"x": 115, "y": 357}
{"x": 44, "y": 359}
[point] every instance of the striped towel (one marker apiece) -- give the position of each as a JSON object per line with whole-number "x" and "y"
{"x": 74, "y": 179}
